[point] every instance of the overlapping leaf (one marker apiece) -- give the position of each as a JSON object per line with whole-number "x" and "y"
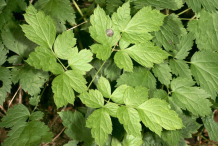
{"x": 44, "y": 59}
{"x": 209, "y": 5}
{"x": 101, "y": 125}
{"x": 204, "y": 67}
{"x": 111, "y": 108}
{"x": 132, "y": 140}
{"x": 5, "y": 79}
{"x": 29, "y": 78}
{"x": 41, "y": 28}
{"x": 62, "y": 87}
{"x": 16, "y": 5}
{"x": 191, "y": 98}
{"x": 104, "y": 87}
{"x": 118, "y": 94}
{"x": 3, "y": 54}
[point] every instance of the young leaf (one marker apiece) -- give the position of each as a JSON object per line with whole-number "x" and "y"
{"x": 111, "y": 108}
{"x": 211, "y": 126}
{"x": 80, "y": 61}
{"x": 210, "y": 5}
{"x": 41, "y": 28}
{"x": 138, "y": 28}
{"x": 169, "y": 4}
{"x": 26, "y": 134}
{"x": 146, "y": 54}
{"x": 15, "y": 115}
{"x": 190, "y": 98}
{"x": 62, "y": 87}
{"x": 139, "y": 77}
{"x": 104, "y": 87}
{"x": 63, "y": 45}
{"x": 133, "y": 97}
{"x": 204, "y": 66}
{"x": 5, "y": 79}
{"x": 129, "y": 117}
{"x": 101, "y": 125}
{"x": 75, "y": 124}
{"x": 156, "y": 113}
{"x": 14, "y": 39}
{"x": 61, "y": 10}
{"x": 170, "y": 32}
{"x": 181, "y": 68}
{"x": 92, "y": 99}
{"x": 130, "y": 140}
{"x": 43, "y": 58}
{"x": 117, "y": 95}
{"x": 123, "y": 61}
{"x": 162, "y": 72}
{"x": 29, "y": 78}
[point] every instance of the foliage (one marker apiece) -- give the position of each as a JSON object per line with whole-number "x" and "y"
{"x": 144, "y": 84}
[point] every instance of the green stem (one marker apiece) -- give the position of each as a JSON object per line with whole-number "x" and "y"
{"x": 59, "y": 60}
{"x": 79, "y": 10}
{"x": 185, "y": 19}
{"x": 167, "y": 12}
{"x": 184, "y": 11}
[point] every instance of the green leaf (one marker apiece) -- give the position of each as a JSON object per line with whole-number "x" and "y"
{"x": 5, "y": 16}
{"x": 115, "y": 142}
{"x": 80, "y": 61}
{"x": 118, "y": 94}
{"x": 26, "y": 134}
{"x": 36, "y": 115}
{"x": 133, "y": 97}
{"x": 14, "y": 39}
{"x": 30, "y": 79}
{"x": 211, "y": 126}
{"x": 210, "y": 5}
{"x": 61, "y": 10}
{"x": 3, "y": 55}
{"x": 205, "y": 31}
{"x": 43, "y": 58}
{"x": 138, "y": 28}
{"x": 104, "y": 87}
{"x": 15, "y": 115}
{"x": 41, "y": 28}
{"x": 75, "y": 126}
{"x": 204, "y": 67}
{"x": 15, "y": 59}
{"x": 62, "y": 87}
{"x": 129, "y": 117}
{"x": 185, "y": 45}
{"x": 146, "y": 54}
{"x": 180, "y": 68}
{"x": 112, "y": 5}
{"x": 191, "y": 98}
{"x": 100, "y": 23}
{"x": 34, "y": 100}
{"x": 103, "y": 52}
{"x": 167, "y": 4}
{"x": 130, "y": 140}
{"x": 63, "y": 45}
{"x": 5, "y": 79}
{"x": 152, "y": 139}
{"x": 111, "y": 108}
{"x": 16, "y": 5}
{"x": 172, "y": 137}
{"x": 123, "y": 61}
{"x": 161, "y": 94}
{"x": 101, "y": 125}
{"x": 156, "y": 113}
{"x": 170, "y": 32}
{"x": 139, "y": 77}
{"x": 162, "y": 72}
{"x": 92, "y": 99}
{"x": 111, "y": 71}
{"x": 2, "y": 5}
{"x": 72, "y": 143}
{"x": 122, "y": 17}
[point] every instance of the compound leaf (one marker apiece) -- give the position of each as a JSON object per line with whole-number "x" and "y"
{"x": 30, "y": 79}
{"x": 104, "y": 87}
{"x": 190, "y": 98}
{"x": 62, "y": 87}
{"x": 129, "y": 117}
{"x": 15, "y": 115}
{"x": 63, "y": 45}
{"x": 44, "y": 59}
{"x": 80, "y": 61}
{"x": 156, "y": 113}
{"x": 41, "y": 28}
{"x": 100, "y": 123}
{"x": 204, "y": 67}
{"x": 92, "y": 99}
{"x": 75, "y": 124}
